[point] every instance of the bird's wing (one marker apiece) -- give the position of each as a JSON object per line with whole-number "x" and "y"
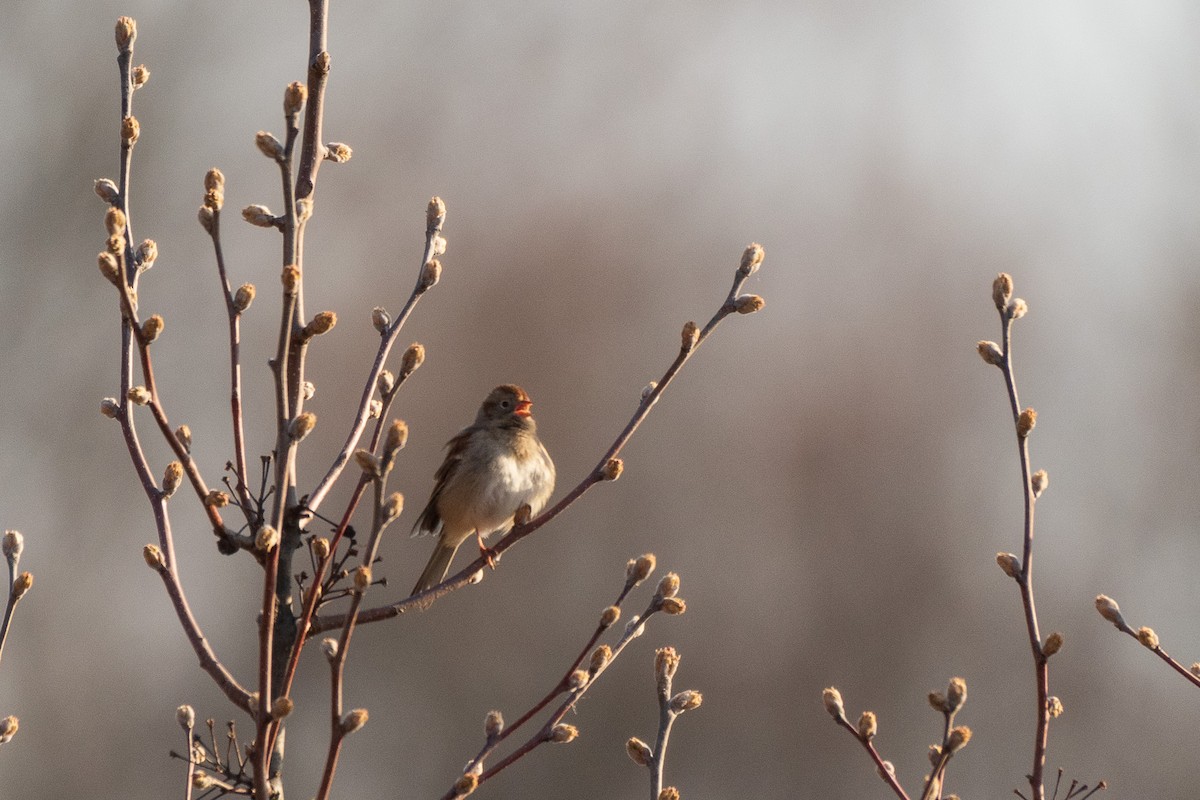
{"x": 430, "y": 520}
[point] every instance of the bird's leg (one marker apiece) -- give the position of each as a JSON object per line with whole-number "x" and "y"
{"x": 488, "y": 553}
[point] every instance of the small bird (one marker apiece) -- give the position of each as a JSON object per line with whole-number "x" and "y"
{"x": 492, "y": 468}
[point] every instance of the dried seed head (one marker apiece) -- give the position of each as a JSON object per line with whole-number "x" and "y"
{"x": 1017, "y": 308}
{"x": 216, "y": 499}
{"x": 832, "y": 699}
{"x": 563, "y": 733}
{"x": 748, "y": 304}
{"x": 396, "y": 438}
{"x": 666, "y": 662}
{"x": 141, "y": 75}
{"x": 956, "y": 694}
{"x": 152, "y": 327}
{"x": 689, "y": 337}
{"x": 172, "y": 477}
{"x": 1054, "y": 643}
{"x": 207, "y": 220}
{"x": 431, "y": 273}
{"x": 338, "y": 153}
{"x": 1148, "y": 637}
{"x": 320, "y": 547}
{"x": 577, "y": 680}
{"x": 281, "y": 707}
{"x": 380, "y": 318}
{"x": 686, "y": 701}
{"x": 1040, "y": 481}
{"x": 990, "y": 353}
{"x": 268, "y": 145}
{"x": 1026, "y": 422}
{"x": 1055, "y": 707}
{"x": 868, "y": 726}
{"x": 322, "y": 323}
{"x": 130, "y": 130}
{"x": 329, "y": 646}
{"x": 493, "y": 724}
{"x": 114, "y": 221}
{"x": 109, "y": 268}
{"x": 639, "y": 752}
{"x": 214, "y": 180}
{"x": 958, "y": 739}
{"x": 937, "y": 701}
{"x": 392, "y": 506}
{"x": 184, "y": 434}
{"x": 752, "y": 257}
{"x": 674, "y": 606}
{"x": 354, "y": 720}
{"x": 668, "y": 586}
{"x": 1002, "y": 289}
{"x": 110, "y": 408}
{"x": 302, "y": 425}
{"x": 153, "y": 557}
{"x": 126, "y": 32}
{"x": 413, "y": 358}
{"x": 367, "y": 461}
{"x": 293, "y": 97}
{"x": 612, "y": 469}
{"x": 362, "y": 578}
{"x": 435, "y": 214}
{"x": 1010, "y": 564}
{"x": 259, "y": 216}
{"x": 640, "y": 568}
{"x": 600, "y": 658}
{"x": 385, "y": 382}
{"x": 266, "y": 539}
{"x": 107, "y": 190}
{"x": 609, "y": 616}
{"x": 466, "y": 784}
{"x": 21, "y": 585}
{"x": 8, "y": 728}
{"x": 243, "y": 297}
{"x": 138, "y": 395}
{"x": 13, "y": 545}
{"x": 1109, "y": 609}
{"x": 185, "y": 715}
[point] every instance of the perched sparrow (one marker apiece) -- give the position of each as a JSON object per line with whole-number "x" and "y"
{"x": 492, "y": 468}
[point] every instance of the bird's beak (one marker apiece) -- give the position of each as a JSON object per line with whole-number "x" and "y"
{"x": 522, "y": 408}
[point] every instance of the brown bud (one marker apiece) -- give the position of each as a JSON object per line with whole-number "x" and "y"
{"x": 8, "y": 729}
{"x": 185, "y": 715}
{"x": 1055, "y": 707}
{"x": 563, "y": 733}
{"x": 243, "y": 297}
{"x": 1040, "y": 480}
{"x": 322, "y": 323}
{"x": 385, "y": 382}
{"x": 956, "y": 694}
{"x": 392, "y": 506}
{"x": 354, "y": 720}
{"x": 130, "y": 130}
{"x": 1026, "y": 422}
{"x": 1017, "y": 308}
{"x": 21, "y": 585}
{"x": 466, "y": 784}
{"x": 438, "y": 245}
{"x": 600, "y": 658}
{"x": 958, "y": 739}
{"x": 184, "y": 434}
{"x": 690, "y": 336}
{"x": 666, "y": 662}
{"x": 259, "y": 216}
{"x": 206, "y": 218}
{"x": 435, "y": 214}
{"x": 1010, "y": 564}
{"x": 669, "y": 793}
{"x": 114, "y": 221}
{"x": 612, "y": 469}
{"x": 141, "y": 75}
{"x": 431, "y": 273}
{"x": 281, "y": 707}
{"x": 109, "y": 268}
{"x": 937, "y": 701}
{"x": 268, "y": 145}
{"x": 329, "y": 647}
{"x": 302, "y": 425}
{"x": 362, "y": 578}
{"x": 153, "y": 557}
{"x": 990, "y": 353}
{"x": 13, "y": 545}
{"x": 139, "y": 396}
{"x": 832, "y": 699}
{"x": 338, "y": 153}
{"x": 266, "y": 540}
{"x": 152, "y": 327}
{"x": 674, "y": 606}
{"x": 147, "y": 254}
{"x": 868, "y": 726}
{"x": 107, "y": 190}
{"x": 367, "y": 461}
{"x": 748, "y": 304}
{"x": 126, "y": 32}
{"x": 493, "y": 724}
{"x": 640, "y": 568}
{"x": 609, "y": 616}
{"x": 1148, "y": 637}
{"x": 752, "y": 257}
{"x": 413, "y": 358}
{"x": 380, "y": 319}
{"x": 396, "y": 438}
{"x": 1002, "y": 289}
{"x": 320, "y": 547}
{"x": 214, "y": 180}
{"x": 290, "y": 278}
{"x": 293, "y": 97}
{"x": 216, "y": 499}
{"x": 172, "y": 477}
{"x": 686, "y": 701}
{"x": 668, "y": 586}
{"x": 639, "y": 752}
{"x": 110, "y": 408}
{"x": 1054, "y": 643}
{"x": 577, "y": 680}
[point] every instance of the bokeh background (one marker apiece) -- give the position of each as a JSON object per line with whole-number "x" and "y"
{"x": 831, "y": 477}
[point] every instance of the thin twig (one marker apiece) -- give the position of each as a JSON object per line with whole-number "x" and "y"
{"x": 888, "y": 776}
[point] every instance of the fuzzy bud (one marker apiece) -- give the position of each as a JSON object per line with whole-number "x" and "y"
{"x": 106, "y": 190}
{"x": 320, "y": 547}
{"x": 748, "y": 304}
{"x": 1040, "y": 481}
{"x": 110, "y": 408}
{"x": 214, "y": 180}
{"x": 153, "y": 557}
{"x": 304, "y": 209}
{"x": 380, "y": 319}
{"x": 1026, "y": 422}
{"x": 152, "y": 327}
{"x": 990, "y": 353}
{"x": 639, "y": 752}
{"x": 439, "y": 245}
{"x": 1055, "y": 707}
{"x": 147, "y": 253}
{"x": 322, "y": 323}
{"x": 338, "y": 153}
{"x": 185, "y": 715}
{"x": 282, "y": 707}
{"x": 431, "y": 273}
{"x": 109, "y": 268}
{"x": 1017, "y": 308}
{"x": 609, "y": 617}
{"x": 243, "y": 297}
{"x": 669, "y": 793}
{"x": 259, "y": 216}
{"x": 13, "y": 545}
{"x": 435, "y": 214}
{"x": 689, "y": 337}
{"x": 367, "y": 461}
{"x": 329, "y": 646}
{"x": 956, "y": 694}
{"x": 958, "y": 739}
{"x": 362, "y": 578}
{"x": 130, "y": 130}
{"x": 184, "y": 434}
{"x": 673, "y": 606}
{"x": 640, "y": 568}
{"x": 1054, "y": 643}
{"x": 354, "y": 720}
{"x": 139, "y": 396}
{"x": 413, "y": 358}
{"x": 937, "y": 701}
{"x": 563, "y": 733}
{"x": 21, "y": 585}
{"x": 392, "y": 506}
{"x": 1010, "y": 564}
{"x": 648, "y": 389}
{"x": 385, "y": 382}
{"x": 126, "y": 33}
{"x": 669, "y": 585}
{"x": 114, "y": 221}
{"x": 868, "y": 726}
{"x": 293, "y": 97}
{"x": 466, "y": 784}
{"x": 308, "y": 390}
{"x": 268, "y": 145}
{"x": 686, "y": 701}
{"x": 8, "y": 728}
{"x": 141, "y": 76}
{"x": 832, "y": 699}
{"x": 493, "y": 724}
{"x": 1147, "y": 637}
{"x": 216, "y": 499}
{"x": 172, "y": 478}
{"x": 1002, "y": 289}
{"x": 266, "y": 540}
{"x": 599, "y": 659}
{"x": 207, "y": 221}
{"x": 577, "y": 680}
{"x": 612, "y": 469}
{"x": 396, "y": 438}
{"x": 301, "y": 426}
{"x": 752, "y": 257}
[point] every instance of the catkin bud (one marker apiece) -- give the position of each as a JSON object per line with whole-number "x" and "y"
{"x": 648, "y": 389}
{"x": 1002, "y": 289}
{"x": 268, "y": 145}
{"x": 385, "y": 382}
{"x": 666, "y": 662}
{"x": 172, "y": 477}
{"x": 107, "y": 190}
{"x": 126, "y": 32}
{"x": 302, "y": 425}
{"x": 674, "y": 606}
{"x": 110, "y": 408}
{"x": 1054, "y": 643}
{"x": 243, "y": 297}
{"x": 577, "y": 680}
{"x": 1148, "y": 637}
{"x": 748, "y": 304}
{"x": 138, "y": 395}
{"x": 338, "y": 153}
{"x": 689, "y": 337}
{"x": 141, "y": 75}
{"x": 990, "y": 353}
{"x": 152, "y": 327}
{"x": 130, "y": 130}
{"x": 937, "y": 701}
{"x": 493, "y": 724}
{"x": 293, "y": 97}
{"x": 640, "y": 568}
{"x": 431, "y": 273}
{"x": 259, "y": 216}
{"x": 8, "y": 728}
{"x": 669, "y": 793}
{"x": 832, "y": 699}
{"x": 367, "y": 461}
{"x": 147, "y": 253}
{"x": 362, "y": 578}
{"x": 1026, "y": 422}
{"x": 1055, "y": 707}
{"x": 114, "y": 221}
{"x": 201, "y": 780}
{"x": 21, "y": 585}
{"x": 668, "y": 586}
{"x": 466, "y": 784}
{"x": 956, "y": 694}
{"x": 214, "y": 180}
{"x": 281, "y": 707}
{"x": 380, "y": 318}
{"x": 307, "y": 390}
{"x": 207, "y": 220}
{"x": 266, "y": 539}
{"x": 563, "y": 733}
{"x": 413, "y": 358}
{"x": 686, "y": 701}
{"x": 392, "y": 506}
{"x": 958, "y": 739}
{"x": 153, "y": 557}
{"x": 13, "y": 545}
{"x": 354, "y": 720}
{"x": 320, "y": 547}
{"x": 609, "y": 616}
{"x": 868, "y": 726}
{"x": 435, "y": 214}
{"x": 639, "y": 752}
{"x": 1040, "y": 480}
{"x": 329, "y": 646}
{"x": 109, "y": 268}
{"x": 185, "y": 715}
{"x": 439, "y": 245}
{"x": 612, "y": 469}
{"x": 1010, "y": 564}
{"x": 752, "y": 257}
{"x": 184, "y": 434}
{"x": 216, "y": 499}
{"x": 396, "y": 438}
{"x": 322, "y": 323}
{"x": 600, "y": 658}
{"x": 1017, "y": 308}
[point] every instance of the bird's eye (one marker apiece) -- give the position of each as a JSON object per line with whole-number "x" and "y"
{"x": 505, "y": 404}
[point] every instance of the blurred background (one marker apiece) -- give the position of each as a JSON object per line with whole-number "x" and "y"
{"x": 831, "y": 477}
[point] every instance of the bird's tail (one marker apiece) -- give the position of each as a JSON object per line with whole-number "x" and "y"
{"x": 438, "y": 566}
